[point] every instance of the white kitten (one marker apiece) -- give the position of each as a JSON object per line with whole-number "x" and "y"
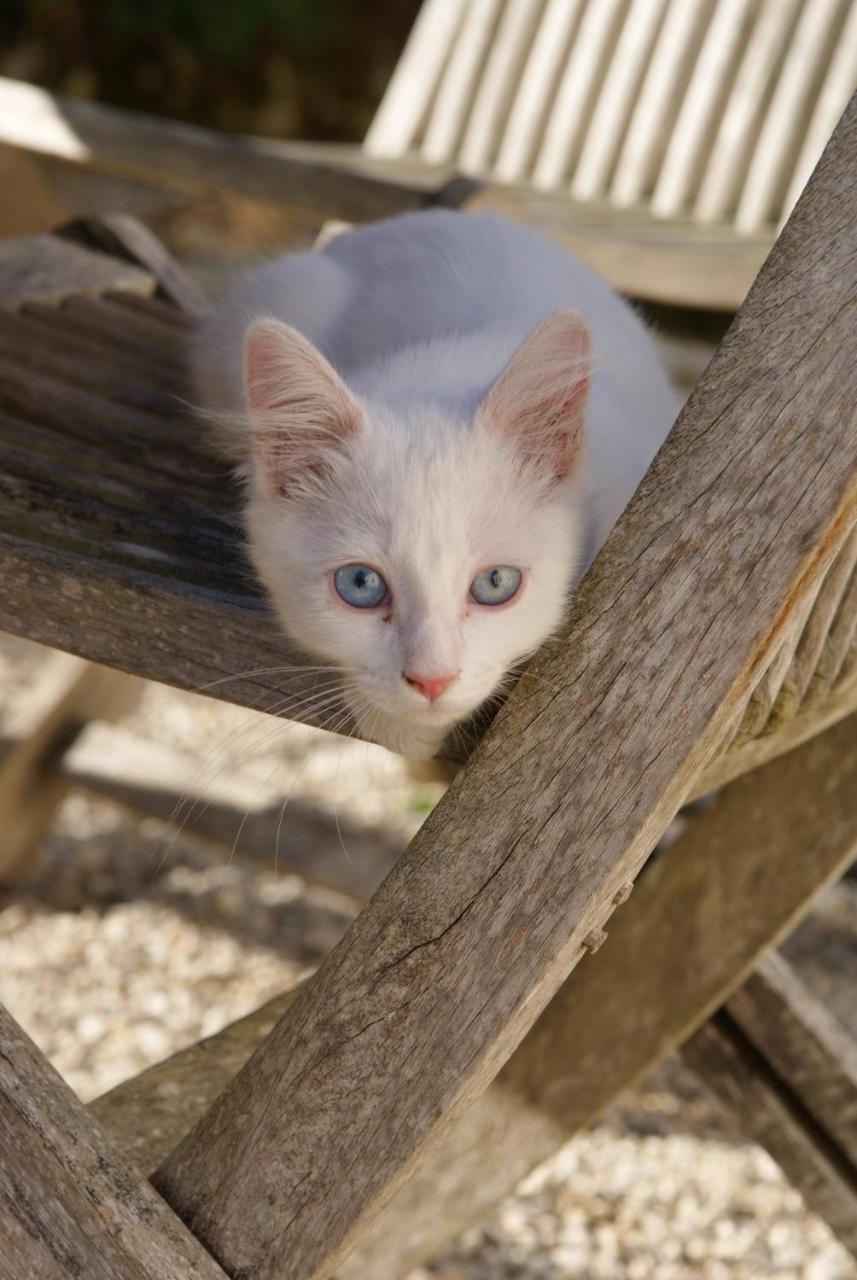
{"x": 435, "y": 447}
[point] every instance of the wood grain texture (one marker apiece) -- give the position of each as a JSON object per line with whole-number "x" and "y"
{"x": 69, "y": 1207}
{"x": 146, "y": 1115}
{"x": 485, "y": 915}
{"x": 772, "y": 1116}
{"x": 735, "y": 881}
{"x": 806, "y": 1049}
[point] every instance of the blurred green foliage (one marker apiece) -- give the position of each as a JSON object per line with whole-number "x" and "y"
{"x": 310, "y": 68}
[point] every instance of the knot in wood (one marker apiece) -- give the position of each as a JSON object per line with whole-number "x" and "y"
{"x": 623, "y": 893}
{"x": 594, "y": 939}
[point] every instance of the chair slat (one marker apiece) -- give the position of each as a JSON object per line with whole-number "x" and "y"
{"x": 616, "y": 99}
{"x": 538, "y": 84}
{"x": 703, "y": 101}
{"x": 497, "y": 86}
{"x": 576, "y": 93}
{"x": 779, "y": 142}
{"x": 661, "y": 92}
{"x": 744, "y": 111}
{"x": 457, "y": 85}
{"x": 418, "y": 71}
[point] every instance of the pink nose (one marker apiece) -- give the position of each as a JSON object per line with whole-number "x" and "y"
{"x": 430, "y": 687}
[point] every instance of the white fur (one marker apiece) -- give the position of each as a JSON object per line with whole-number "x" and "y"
{"x": 419, "y": 315}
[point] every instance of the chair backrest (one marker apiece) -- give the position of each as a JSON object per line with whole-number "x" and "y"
{"x": 716, "y": 110}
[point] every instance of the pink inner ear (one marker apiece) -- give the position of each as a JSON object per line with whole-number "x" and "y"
{"x": 301, "y": 407}
{"x": 539, "y": 400}
{"x": 263, "y": 360}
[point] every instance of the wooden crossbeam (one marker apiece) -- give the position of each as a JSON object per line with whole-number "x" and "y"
{"x": 735, "y": 882}
{"x": 788, "y": 1071}
{"x": 485, "y": 915}
{"x": 71, "y": 1207}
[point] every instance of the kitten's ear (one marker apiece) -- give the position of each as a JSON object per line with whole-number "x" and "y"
{"x": 300, "y": 409}
{"x": 540, "y": 397}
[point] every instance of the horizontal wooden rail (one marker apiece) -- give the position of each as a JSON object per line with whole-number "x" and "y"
{"x": 314, "y": 181}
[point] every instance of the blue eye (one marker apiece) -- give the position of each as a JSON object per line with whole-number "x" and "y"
{"x": 495, "y": 585}
{"x": 360, "y": 586}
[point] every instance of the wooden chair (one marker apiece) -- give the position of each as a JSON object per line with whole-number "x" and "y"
{"x": 454, "y": 1038}
{"x": 663, "y": 140}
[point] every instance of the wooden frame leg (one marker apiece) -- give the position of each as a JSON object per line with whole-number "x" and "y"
{"x": 735, "y": 882}
{"x": 788, "y": 1071}
{"x": 69, "y": 1206}
{"x": 69, "y": 692}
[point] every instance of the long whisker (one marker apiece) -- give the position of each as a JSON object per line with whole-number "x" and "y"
{"x": 229, "y": 740}
{"x": 330, "y": 697}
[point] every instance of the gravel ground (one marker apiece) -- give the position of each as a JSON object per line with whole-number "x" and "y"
{"x": 119, "y": 949}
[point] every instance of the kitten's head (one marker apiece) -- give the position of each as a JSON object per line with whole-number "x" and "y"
{"x": 423, "y": 550}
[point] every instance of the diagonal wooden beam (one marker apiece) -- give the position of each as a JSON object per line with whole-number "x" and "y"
{"x": 483, "y": 918}
{"x": 788, "y": 1072}
{"x": 735, "y": 881}
{"x": 69, "y": 1207}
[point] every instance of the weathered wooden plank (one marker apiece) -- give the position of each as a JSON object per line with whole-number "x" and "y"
{"x": 487, "y": 912}
{"x": 69, "y": 1206}
{"x": 734, "y": 882}
{"x": 142, "y": 479}
{"x": 159, "y": 360}
{"x": 131, "y": 533}
{"x": 678, "y": 262}
{"x": 106, "y": 320}
{"x": 809, "y": 1052}
{"x": 196, "y": 637}
{"x": 44, "y": 269}
{"x": 46, "y": 398}
{"x": 98, "y": 490}
{"x": 314, "y": 181}
{"x": 49, "y": 329}
{"x": 146, "y": 1115}
{"x": 772, "y": 1116}
{"x": 813, "y": 719}
{"x": 23, "y": 348}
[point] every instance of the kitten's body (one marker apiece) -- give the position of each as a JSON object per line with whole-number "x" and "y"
{"x": 420, "y": 316}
